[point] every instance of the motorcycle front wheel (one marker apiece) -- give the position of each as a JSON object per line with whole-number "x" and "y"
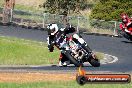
{"x": 94, "y": 62}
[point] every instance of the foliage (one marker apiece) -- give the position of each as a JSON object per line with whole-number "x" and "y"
{"x": 65, "y": 6}
{"x": 111, "y": 9}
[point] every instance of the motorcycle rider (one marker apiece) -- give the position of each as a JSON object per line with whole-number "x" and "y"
{"x": 56, "y": 37}
{"x": 126, "y": 25}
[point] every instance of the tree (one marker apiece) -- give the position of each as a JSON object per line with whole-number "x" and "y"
{"x": 111, "y": 9}
{"x": 64, "y": 6}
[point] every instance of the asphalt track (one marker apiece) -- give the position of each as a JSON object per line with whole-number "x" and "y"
{"x": 118, "y": 47}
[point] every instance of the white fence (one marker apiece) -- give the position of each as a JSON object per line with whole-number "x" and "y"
{"x": 81, "y": 23}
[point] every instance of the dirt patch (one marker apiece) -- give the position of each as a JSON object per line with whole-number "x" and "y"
{"x": 34, "y": 77}
{"x": 30, "y": 2}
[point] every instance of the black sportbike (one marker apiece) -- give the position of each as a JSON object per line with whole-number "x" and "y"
{"x": 78, "y": 52}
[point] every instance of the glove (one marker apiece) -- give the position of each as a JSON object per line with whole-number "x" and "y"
{"x": 51, "y": 48}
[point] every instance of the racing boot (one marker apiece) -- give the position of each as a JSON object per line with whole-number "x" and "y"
{"x": 63, "y": 61}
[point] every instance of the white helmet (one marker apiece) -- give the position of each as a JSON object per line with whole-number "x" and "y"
{"x": 53, "y": 28}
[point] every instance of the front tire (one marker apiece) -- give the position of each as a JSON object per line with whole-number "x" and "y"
{"x": 94, "y": 62}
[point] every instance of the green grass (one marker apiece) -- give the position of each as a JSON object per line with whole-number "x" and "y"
{"x": 23, "y": 7}
{"x": 61, "y": 84}
{"x": 99, "y": 55}
{"x": 28, "y": 8}
{"x": 15, "y": 51}
{"x": 22, "y": 52}
{"x": 30, "y": 17}
{"x": 1, "y": 3}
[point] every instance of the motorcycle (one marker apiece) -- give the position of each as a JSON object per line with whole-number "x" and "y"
{"x": 127, "y": 32}
{"x": 78, "y": 52}
{"x": 127, "y": 36}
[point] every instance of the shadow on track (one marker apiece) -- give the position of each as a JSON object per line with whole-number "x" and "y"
{"x": 71, "y": 66}
{"x": 130, "y": 42}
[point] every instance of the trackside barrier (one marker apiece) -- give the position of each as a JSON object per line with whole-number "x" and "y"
{"x": 83, "y": 24}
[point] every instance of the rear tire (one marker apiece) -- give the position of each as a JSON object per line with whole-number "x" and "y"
{"x": 93, "y": 61}
{"x": 73, "y": 60}
{"x": 127, "y": 36}
{"x": 131, "y": 38}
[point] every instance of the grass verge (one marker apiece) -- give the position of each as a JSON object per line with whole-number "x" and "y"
{"x": 15, "y": 51}
{"x": 61, "y": 84}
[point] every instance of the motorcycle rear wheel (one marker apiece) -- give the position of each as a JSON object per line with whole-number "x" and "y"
{"x": 127, "y": 36}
